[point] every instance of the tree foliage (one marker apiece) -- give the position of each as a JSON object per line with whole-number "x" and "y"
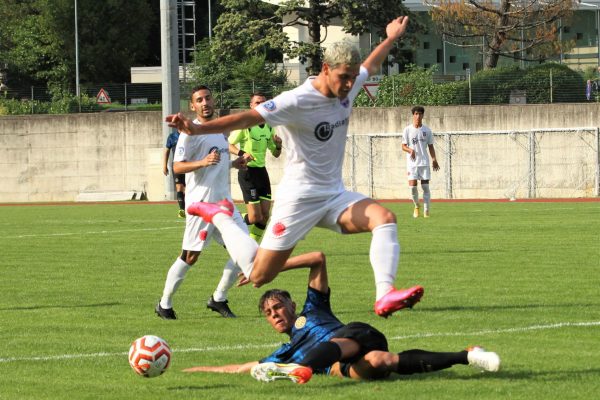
{"x": 37, "y": 40}
{"x": 250, "y": 25}
{"x": 519, "y": 29}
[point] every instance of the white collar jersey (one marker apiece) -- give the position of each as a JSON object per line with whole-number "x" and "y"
{"x": 313, "y": 129}
{"x": 208, "y": 183}
{"x": 418, "y": 139}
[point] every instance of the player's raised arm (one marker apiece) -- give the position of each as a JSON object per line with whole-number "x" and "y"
{"x": 394, "y": 31}
{"x": 227, "y": 123}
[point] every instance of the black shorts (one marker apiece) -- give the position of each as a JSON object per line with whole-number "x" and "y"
{"x": 366, "y": 336}
{"x": 255, "y": 184}
{"x": 179, "y": 178}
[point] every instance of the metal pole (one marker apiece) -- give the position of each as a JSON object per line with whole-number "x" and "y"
{"x": 169, "y": 55}
{"x": 598, "y": 34}
{"x": 76, "y": 55}
{"x": 444, "y": 52}
{"x": 209, "y": 23}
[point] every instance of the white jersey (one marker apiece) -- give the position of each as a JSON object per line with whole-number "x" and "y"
{"x": 313, "y": 129}
{"x": 418, "y": 139}
{"x": 211, "y": 183}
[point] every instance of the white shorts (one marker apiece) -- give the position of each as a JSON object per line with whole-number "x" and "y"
{"x": 292, "y": 219}
{"x": 419, "y": 173}
{"x": 198, "y": 233}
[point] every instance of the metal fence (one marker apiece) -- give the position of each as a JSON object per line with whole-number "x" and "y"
{"x": 131, "y": 97}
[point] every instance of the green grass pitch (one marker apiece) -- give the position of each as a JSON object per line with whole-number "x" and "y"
{"x": 78, "y": 283}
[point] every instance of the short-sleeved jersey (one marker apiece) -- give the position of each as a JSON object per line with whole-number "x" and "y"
{"x": 210, "y": 183}
{"x": 314, "y": 129}
{"x": 315, "y": 324}
{"x": 172, "y": 140}
{"x": 418, "y": 139}
{"x": 256, "y": 141}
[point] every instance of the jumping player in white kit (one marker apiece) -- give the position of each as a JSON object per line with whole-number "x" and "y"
{"x": 313, "y": 122}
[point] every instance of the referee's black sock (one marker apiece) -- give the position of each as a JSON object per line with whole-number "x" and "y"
{"x": 417, "y": 361}
{"x": 181, "y": 200}
{"x": 246, "y": 220}
{"x": 322, "y": 356}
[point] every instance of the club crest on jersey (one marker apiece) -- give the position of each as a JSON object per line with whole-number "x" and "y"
{"x": 180, "y": 150}
{"x": 300, "y": 322}
{"x": 270, "y": 105}
{"x": 345, "y": 103}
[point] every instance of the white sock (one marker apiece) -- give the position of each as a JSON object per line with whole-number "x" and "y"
{"x": 240, "y": 246}
{"x": 414, "y": 193}
{"x": 228, "y": 278}
{"x": 175, "y": 277}
{"x": 426, "y": 196}
{"x": 384, "y": 255}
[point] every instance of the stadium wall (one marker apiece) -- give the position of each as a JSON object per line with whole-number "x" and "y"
{"x": 484, "y": 151}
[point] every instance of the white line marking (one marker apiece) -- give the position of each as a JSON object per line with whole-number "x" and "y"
{"x": 274, "y": 345}
{"x": 89, "y": 233}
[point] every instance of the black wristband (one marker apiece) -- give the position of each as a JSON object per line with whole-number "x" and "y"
{"x": 241, "y": 153}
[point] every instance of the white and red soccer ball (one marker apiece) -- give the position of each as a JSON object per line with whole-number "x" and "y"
{"x": 149, "y": 356}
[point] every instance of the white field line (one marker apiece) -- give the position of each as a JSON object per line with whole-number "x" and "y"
{"x": 90, "y": 232}
{"x": 274, "y": 345}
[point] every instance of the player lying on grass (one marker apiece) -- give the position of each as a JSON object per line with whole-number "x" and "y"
{"x": 313, "y": 121}
{"x": 320, "y": 343}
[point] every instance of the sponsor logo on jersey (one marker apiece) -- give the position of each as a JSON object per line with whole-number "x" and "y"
{"x": 278, "y": 229}
{"x": 270, "y": 105}
{"x": 300, "y": 322}
{"x": 324, "y": 130}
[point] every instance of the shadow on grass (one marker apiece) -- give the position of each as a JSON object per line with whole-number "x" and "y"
{"x": 60, "y": 306}
{"x": 502, "y": 375}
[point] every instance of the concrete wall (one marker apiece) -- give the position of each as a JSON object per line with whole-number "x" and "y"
{"x": 58, "y": 158}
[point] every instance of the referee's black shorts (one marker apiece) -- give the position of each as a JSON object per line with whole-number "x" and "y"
{"x": 179, "y": 179}
{"x": 255, "y": 184}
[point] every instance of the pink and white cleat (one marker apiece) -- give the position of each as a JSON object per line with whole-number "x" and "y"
{"x": 395, "y": 300}
{"x": 208, "y": 210}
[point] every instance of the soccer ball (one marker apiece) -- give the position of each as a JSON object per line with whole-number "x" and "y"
{"x": 149, "y": 356}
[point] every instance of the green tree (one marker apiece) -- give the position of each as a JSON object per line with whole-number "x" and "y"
{"x": 249, "y": 25}
{"x": 37, "y": 40}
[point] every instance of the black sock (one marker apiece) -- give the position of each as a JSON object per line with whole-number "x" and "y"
{"x": 322, "y": 356}
{"x": 417, "y": 361}
{"x": 260, "y": 226}
{"x": 181, "y": 200}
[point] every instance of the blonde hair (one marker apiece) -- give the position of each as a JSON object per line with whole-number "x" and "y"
{"x": 340, "y": 53}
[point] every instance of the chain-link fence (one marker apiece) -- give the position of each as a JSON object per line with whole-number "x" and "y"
{"x": 448, "y": 90}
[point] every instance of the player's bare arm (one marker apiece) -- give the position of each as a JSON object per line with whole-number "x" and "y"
{"x": 227, "y": 123}
{"x": 434, "y": 163}
{"x": 394, "y": 31}
{"x": 226, "y": 369}
{"x": 183, "y": 167}
{"x": 410, "y": 151}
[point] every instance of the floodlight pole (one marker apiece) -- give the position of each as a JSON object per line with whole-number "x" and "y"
{"x": 76, "y": 54}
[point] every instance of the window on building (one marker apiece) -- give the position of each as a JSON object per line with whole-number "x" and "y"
{"x": 439, "y": 56}
{"x": 478, "y": 66}
{"x": 566, "y": 29}
{"x": 579, "y": 35}
{"x": 465, "y": 66}
{"x": 452, "y": 59}
{"x": 425, "y": 45}
{"x": 426, "y": 65}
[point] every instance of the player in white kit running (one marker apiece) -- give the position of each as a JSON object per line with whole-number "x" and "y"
{"x": 416, "y": 140}
{"x": 313, "y": 123}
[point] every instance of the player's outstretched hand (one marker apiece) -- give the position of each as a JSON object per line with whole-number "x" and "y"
{"x": 179, "y": 122}
{"x": 240, "y": 163}
{"x": 396, "y": 28}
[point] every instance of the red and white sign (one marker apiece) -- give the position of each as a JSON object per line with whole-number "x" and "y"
{"x": 102, "y": 97}
{"x": 371, "y": 89}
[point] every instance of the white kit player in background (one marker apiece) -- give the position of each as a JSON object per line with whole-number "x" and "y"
{"x": 312, "y": 120}
{"x": 205, "y": 162}
{"x": 416, "y": 140}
